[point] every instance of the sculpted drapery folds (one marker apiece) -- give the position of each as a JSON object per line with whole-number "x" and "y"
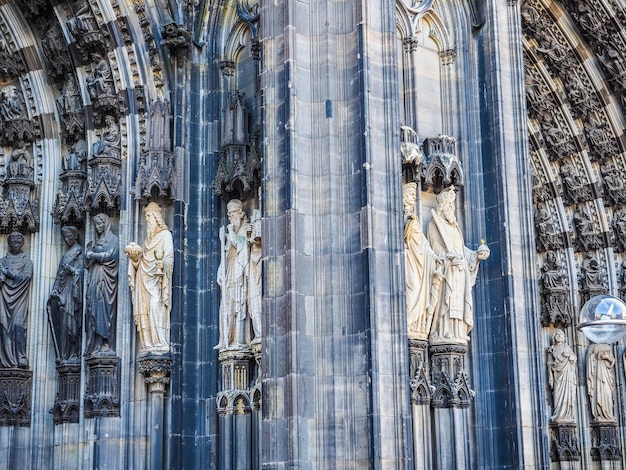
{"x": 232, "y": 277}
{"x": 150, "y": 280}
{"x": 453, "y": 316}
{"x": 65, "y": 304}
{"x": 601, "y": 381}
{"x": 101, "y": 259}
{"x": 562, "y": 378}
{"x": 422, "y": 273}
{"x": 16, "y": 272}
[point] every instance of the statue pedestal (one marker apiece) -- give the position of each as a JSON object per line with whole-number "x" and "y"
{"x": 15, "y": 397}
{"x": 156, "y": 369}
{"x": 564, "y": 445}
{"x": 102, "y": 396}
{"x": 451, "y": 400}
{"x": 238, "y": 430}
{"x": 604, "y": 442}
{"x": 421, "y": 395}
{"x": 66, "y": 407}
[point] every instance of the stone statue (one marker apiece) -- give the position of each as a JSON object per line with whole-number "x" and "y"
{"x": 453, "y": 316}
{"x": 16, "y": 272}
{"x": 65, "y": 304}
{"x": 150, "y": 280}
{"x": 562, "y": 378}
{"x": 101, "y": 259}
{"x": 21, "y": 163}
{"x": 422, "y": 270}
{"x": 601, "y": 381}
{"x": 255, "y": 293}
{"x": 232, "y": 278}
{"x": 109, "y": 143}
{"x": 101, "y": 82}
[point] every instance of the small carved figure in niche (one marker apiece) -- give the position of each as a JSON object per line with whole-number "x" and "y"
{"x": 109, "y": 143}
{"x": 55, "y": 50}
{"x": 547, "y": 235}
{"x": 232, "y": 277}
{"x": 552, "y": 276}
{"x": 150, "y": 280}
{"x": 591, "y": 276}
{"x": 453, "y": 317}
{"x": 82, "y": 22}
{"x": 530, "y": 15}
{"x": 65, "y": 304}
{"x": 549, "y": 46}
{"x": 12, "y": 106}
{"x": 619, "y": 228}
{"x": 21, "y": 164}
{"x": 601, "y": 381}
{"x": 16, "y": 272}
{"x": 562, "y": 378}
{"x": 586, "y": 16}
{"x": 541, "y": 192}
{"x": 422, "y": 270}
{"x": 574, "y": 185}
{"x": 101, "y": 82}
{"x": 174, "y": 36}
{"x": 582, "y": 221}
{"x": 101, "y": 259}
{"x": 255, "y": 294}
{"x": 612, "y": 60}
{"x": 75, "y": 158}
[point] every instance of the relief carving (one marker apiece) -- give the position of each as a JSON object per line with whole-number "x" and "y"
{"x": 69, "y": 206}
{"x": 548, "y": 236}
{"x": 56, "y": 55}
{"x": 591, "y": 278}
{"x": 85, "y": 30}
{"x": 619, "y": 229}
{"x": 575, "y": 187}
{"x": 17, "y": 125}
{"x": 614, "y": 184}
{"x": 71, "y": 109}
{"x": 586, "y": 238}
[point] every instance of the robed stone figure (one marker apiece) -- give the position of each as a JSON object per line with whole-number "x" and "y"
{"x": 101, "y": 259}
{"x": 16, "y": 273}
{"x": 453, "y": 317}
{"x": 601, "y": 382}
{"x": 150, "y": 279}
{"x": 65, "y": 304}
{"x": 422, "y": 270}
{"x": 232, "y": 277}
{"x": 562, "y": 378}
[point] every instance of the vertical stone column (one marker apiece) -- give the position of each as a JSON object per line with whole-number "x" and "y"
{"x": 156, "y": 370}
{"x": 421, "y": 396}
{"x": 334, "y": 332}
{"x": 451, "y": 400}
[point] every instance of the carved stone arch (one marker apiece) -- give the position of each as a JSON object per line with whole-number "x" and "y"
{"x": 238, "y": 39}
{"x": 404, "y": 23}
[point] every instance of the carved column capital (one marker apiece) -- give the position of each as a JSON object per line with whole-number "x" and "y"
{"x": 156, "y": 371}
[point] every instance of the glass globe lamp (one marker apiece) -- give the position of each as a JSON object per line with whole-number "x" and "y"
{"x": 603, "y": 319}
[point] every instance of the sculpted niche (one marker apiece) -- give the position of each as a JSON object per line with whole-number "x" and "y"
{"x": 65, "y": 304}
{"x": 453, "y": 316}
{"x": 101, "y": 260}
{"x": 150, "y": 279}
{"x": 16, "y": 272}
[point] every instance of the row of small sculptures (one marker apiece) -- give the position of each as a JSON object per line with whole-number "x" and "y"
{"x": 562, "y": 379}
{"x": 440, "y": 272}
{"x": 150, "y": 280}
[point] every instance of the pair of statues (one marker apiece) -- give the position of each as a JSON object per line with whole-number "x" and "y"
{"x": 239, "y": 277}
{"x": 65, "y": 304}
{"x": 563, "y": 381}
{"x": 440, "y": 272}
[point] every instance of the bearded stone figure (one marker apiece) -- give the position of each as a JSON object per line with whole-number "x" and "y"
{"x": 65, "y": 304}
{"x": 16, "y": 273}
{"x": 101, "y": 259}
{"x": 150, "y": 280}
{"x": 453, "y": 316}
{"x": 232, "y": 277}
{"x": 562, "y": 378}
{"x": 422, "y": 273}
{"x": 601, "y": 381}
